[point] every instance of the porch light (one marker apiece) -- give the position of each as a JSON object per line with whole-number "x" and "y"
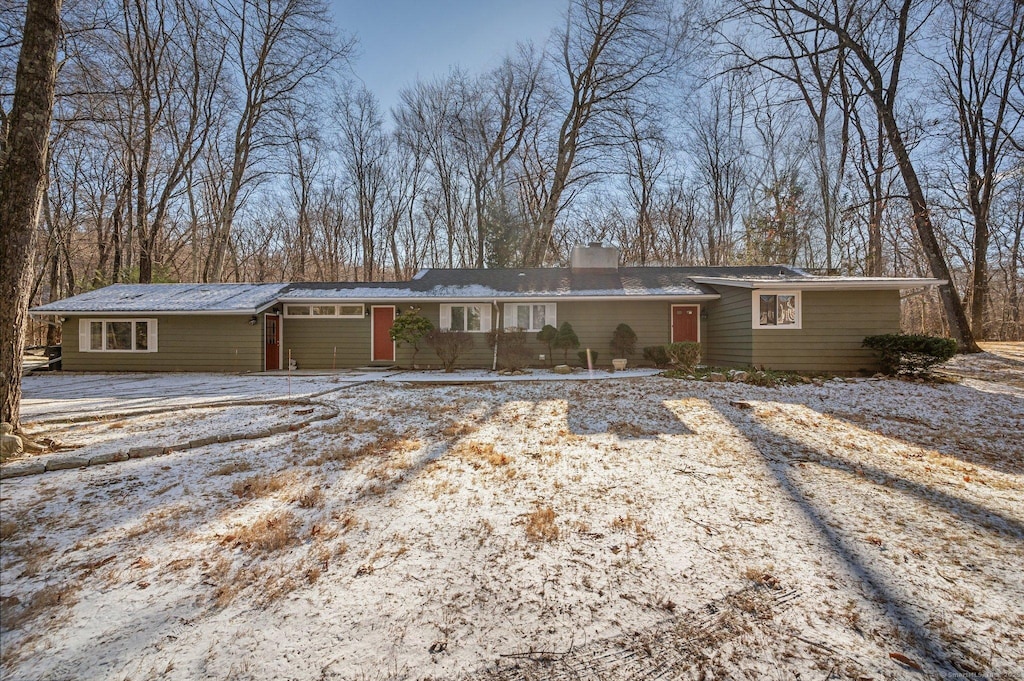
{"x": 253, "y": 320}
{"x": 703, "y": 313}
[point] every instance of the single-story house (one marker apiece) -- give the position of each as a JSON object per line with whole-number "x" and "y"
{"x": 767, "y": 316}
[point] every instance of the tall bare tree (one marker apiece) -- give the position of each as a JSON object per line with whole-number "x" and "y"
{"x": 277, "y": 49}
{"x": 980, "y": 79}
{"x": 23, "y": 159}
{"x": 610, "y": 51}
{"x": 876, "y": 37}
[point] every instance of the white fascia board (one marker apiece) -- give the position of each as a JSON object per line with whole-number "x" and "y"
{"x": 137, "y": 313}
{"x": 852, "y": 284}
{"x": 553, "y": 298}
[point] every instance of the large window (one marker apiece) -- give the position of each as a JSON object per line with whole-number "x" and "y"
{"x": 473, "y": 317}
{"x": 529, "y": 316}
{"x": 117, "y": 335}
{"x": 777, "y": 310}
{"x": 344, "y": 311}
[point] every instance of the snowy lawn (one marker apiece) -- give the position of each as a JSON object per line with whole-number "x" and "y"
{"x": 612, "y": 529}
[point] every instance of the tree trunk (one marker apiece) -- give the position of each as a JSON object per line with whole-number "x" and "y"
{"x": 22, "y": 179}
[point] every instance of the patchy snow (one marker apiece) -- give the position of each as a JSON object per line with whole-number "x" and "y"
{"x": 238, "y": 298}
{"x": 612, "y": 529}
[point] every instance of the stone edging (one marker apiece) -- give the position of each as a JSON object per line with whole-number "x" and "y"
{"x": 17, "y": 469}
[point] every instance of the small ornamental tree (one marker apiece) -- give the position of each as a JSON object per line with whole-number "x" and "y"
{"x": 623, "y": 341}
{"x": 547, "y": 336}
{"x": 409, "y": 327}
{"x": 448, "y": 345}
{"x": 565, "y": 340}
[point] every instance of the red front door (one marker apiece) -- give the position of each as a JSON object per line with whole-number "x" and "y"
{"x": 685, "y": 323}
{"x": 272, "y": 327}
{"x": 383, "y": 346}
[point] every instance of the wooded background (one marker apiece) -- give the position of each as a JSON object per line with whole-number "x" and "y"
{"x": 215, "y": 140}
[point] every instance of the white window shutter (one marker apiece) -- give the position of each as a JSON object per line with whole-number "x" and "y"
{"x": 152, "y": 335}
{"x": 485, "y": 317}
{"x": 549, "y": 315}
{"x": 510, "y": 316}
{"x": 83, "y": 335}
{"x": 445, "y": 320}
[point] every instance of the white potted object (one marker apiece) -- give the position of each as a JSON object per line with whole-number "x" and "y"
{"x": 619, "y": 364}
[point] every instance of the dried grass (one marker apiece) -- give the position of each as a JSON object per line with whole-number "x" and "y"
{"x": 269, "y": 533}
{"x": 476, "y": 454}
{"x": 540, "y": 525}
{"x": 630, "y": 524}
{"x": 8, "y": 529}
{"x": 232, "y": 467}
{"x": 44, "y": 601}
{"x": 258, "y": 486}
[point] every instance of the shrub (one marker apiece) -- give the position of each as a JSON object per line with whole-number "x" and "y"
{"x": 913, "y": 354}
{"x": 448, "y": 345}
{"x": 512, "y": 351}
{"x": 656, "y": 355}
{"x": 582, "y": 354}
{"x": 409, "y": 327}
{"x": 683, "y": 355}
{"x": 547, "y": 336}
{"x": 566, "y": 340}
{"x": 623, "y": 341}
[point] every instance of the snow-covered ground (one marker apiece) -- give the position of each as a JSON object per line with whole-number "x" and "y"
{"x": 617, "y": 529}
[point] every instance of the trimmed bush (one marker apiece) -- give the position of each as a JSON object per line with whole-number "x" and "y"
{"x": 623, "y": 341}
{"x": 913, "y": 354}
{"x": 656, "y": 355}
{"x": 565, "y": 340}
{"x": 547, "y": 336}
{"x": 409, "y": 327}
{"x": 513, "y": 354}
{"x": 582, "y": 354}
{"x": 683, "y": 355}
{"x": 448, "y": 345}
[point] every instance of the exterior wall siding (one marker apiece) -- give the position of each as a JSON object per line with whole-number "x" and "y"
{"x": 184, "y": 343}
{"x": 730, "y": 340}
{"x": 593, "y": 322}
{"x": 834, "y": 326}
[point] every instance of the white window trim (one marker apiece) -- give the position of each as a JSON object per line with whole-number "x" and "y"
{"x": 445, "y": 317}
{"x": 511, "y": 320}
{"x": 85, "y": 334}
{"x": 336, "y": 315}
{"x": 756, "y": 309}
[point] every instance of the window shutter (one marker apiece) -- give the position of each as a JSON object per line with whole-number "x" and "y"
{"x": 485, "y": 317}
{"x": 152, "y": 335}
{"x": 445, "y": 320}
{"x": 83, "y": 335}
{"x": 549, "y": 315}
{"x": 510, "y": 316}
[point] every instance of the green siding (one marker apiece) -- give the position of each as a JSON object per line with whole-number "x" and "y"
{"x": 730, "y": 340}
{"x": 184, "y": 343}
{"x": 834, "y": 326}
{"x": 323, "y": 343}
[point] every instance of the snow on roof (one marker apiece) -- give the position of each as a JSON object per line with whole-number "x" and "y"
{"x": 138, "y": 298}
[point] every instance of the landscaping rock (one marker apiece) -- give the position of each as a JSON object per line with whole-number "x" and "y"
{"x": 144, "y": 452}
{"x": 740, "y": 376}
{"x": 716, "y": 377}
{"x": 17, "y": 470}
{"x": 109, "y": 457}
{"x": 10, "y": 444}
{"x": 562, "y": 369}
{"x": 64, "y": 462}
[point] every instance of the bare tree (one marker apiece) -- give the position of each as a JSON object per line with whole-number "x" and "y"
{"x": 876, "y": 37}
{"x": 23, "y": 160}
{"x": 278, "y": 49}
{"x": 610, "y": 51}
{"x": 980, "y": 79}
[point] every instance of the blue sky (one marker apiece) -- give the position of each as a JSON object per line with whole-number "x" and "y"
{"x": 400, "y": 40}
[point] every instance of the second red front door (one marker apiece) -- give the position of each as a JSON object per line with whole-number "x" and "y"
{"x": 383, "y": 347}
{"x": 685, "y": 323}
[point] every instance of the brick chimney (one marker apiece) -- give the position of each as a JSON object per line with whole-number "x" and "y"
{"x": 594, "y": 257}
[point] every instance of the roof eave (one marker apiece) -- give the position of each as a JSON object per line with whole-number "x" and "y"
{"x": 887, "y": 284}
